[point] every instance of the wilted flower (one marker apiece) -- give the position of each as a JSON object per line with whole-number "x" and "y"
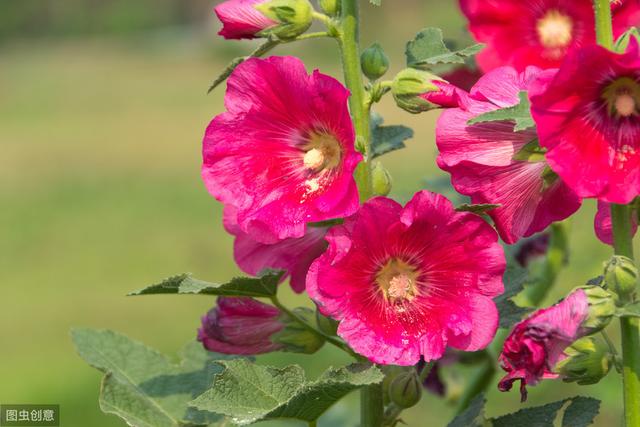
{"x": 494, "y": 165}
{"x": 406, "y": 282}
{"x": 590, "y": 122}
{"x": 283, "y": 154}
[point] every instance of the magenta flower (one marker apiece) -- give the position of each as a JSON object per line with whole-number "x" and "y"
{"x": 480, "y": 159}
{"x": 590, "y": 122}
{"x": 406, "y": 282}
{"x": 241, "y": 19}
{"x": 522, "y": 33}
{"x": 537, "y": 343}
{"x": 240, "y": 326}
{"x": 283, "y": 153}
{"x": 294, "y": 255}
{"x": 603, "y": 225}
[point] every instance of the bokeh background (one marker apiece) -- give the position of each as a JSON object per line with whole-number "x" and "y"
{"x": 102, "y": 108}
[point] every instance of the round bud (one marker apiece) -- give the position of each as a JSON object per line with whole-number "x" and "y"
{"x": 602, "y": 308}
{"x": 621, "y": 276}
{"x": 405, "y": 389}
{"x": 330, "y": 7}
{"x": 587, "y": 362}
{"x": 294, "y": 17}
{"x": 374, "y": 62}
{"x": 381, "y": 180}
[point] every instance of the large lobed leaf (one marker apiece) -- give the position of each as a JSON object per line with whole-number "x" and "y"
{"x": 428, "y": 49}
{"x": 510, "y": 313}
{"x": 520, "y": 114}
{"x": 385, "y": 139}
{"x": 142, "y": 386}
{"x": 248, "y": 393}
{"x": 263, "y": 286}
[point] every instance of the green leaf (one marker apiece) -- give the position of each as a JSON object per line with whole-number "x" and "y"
{"x": 248, "y": 392}
{"x": 428, "y": 49}
{"x": 581, "y": 412}
{"x": 387, "y": 138}
{"x": 629, "y": 310}
{"x": 476, "y": 209}
{"x": 520, "y": 114}
{"x": 142, "y": 386}
{"x": 531, "y": 152}
{"x": 473, "y": 416}
{"x": 263, "y": 286}
{"x": 510, "y": 313}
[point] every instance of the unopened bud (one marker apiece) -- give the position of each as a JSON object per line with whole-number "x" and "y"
{"x": 326, "y": 324}
{"x": 381, "y": 180}
{"x": 587, "y": 362}
{"x": 330, "y": 7}
{"x": 293, "y": 17}
{"x": 602, "y": 308}
{"x": 416, "y": 91}
{"x": 405, "y": 390}
{"x": 374, "y": 62}
{"x": 621, "y": 276}
{"x": 295, "y": 337}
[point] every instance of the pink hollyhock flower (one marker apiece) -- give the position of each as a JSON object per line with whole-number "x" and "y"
{"x": 603, "y": 225}
{"x": 406, "y": 282}
{"x": 480, "y": 159}
{"x": 590, "y": 122}
{"x": 283, "y": 153}
{"x": 294, "y": 255}
{"x": 522, "y": 33}
{"x": 537, "y": 343}
{"x": 241, "y": 19}
{"x": 240, "y": 326}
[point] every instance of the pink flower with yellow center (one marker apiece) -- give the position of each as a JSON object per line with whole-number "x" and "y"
{"x": 484, "y": 159}
{"x": 522, "y": 33}
{"x": 283, "y": 154}
{"x": 590, "y": 122}
{"x": 406, "y": 282}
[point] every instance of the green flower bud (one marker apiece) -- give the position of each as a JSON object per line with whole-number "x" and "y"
{"x": 295, "y": 337}
{"x": 381, "y": 180}
{"x": 621, "y": 276}
{"x": 416, "y": 91}
{"x": 602, "y": 308}
{"x": 294, "y": 17}
{"x": 330, "y": 7}
{"x": 326, "y": 324}
{"x": 405, "y": 389}
{"x": 374, "y": 62}
{"x": 587, "y": 362}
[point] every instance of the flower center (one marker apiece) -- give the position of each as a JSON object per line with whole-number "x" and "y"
{"x": 622, "y": 97}
{"x": 555, "y": 29}
{"x": 398, "y": 280}
{"x": 321, "y": 151}
{"x": 313, "y": 159}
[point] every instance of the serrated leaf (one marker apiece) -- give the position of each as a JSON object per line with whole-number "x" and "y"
{"x": 264, "y": 286}
{"x": 476, "y": 209}
{"x": 581, "y": 412}
{"x": 473, "y": 416}
{"x": 510, "y": 313}
{"x": 142, "y": 386}
{"x": 248, "y": 392}
{"x": 428, "y": 49}
{"x": 385, "y": 139}
{"x": 519, "y": 113}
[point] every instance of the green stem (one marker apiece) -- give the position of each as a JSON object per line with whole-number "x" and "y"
{"x": 348, "y": 39}
{"x": 342, "y": 346}
{"x": 629, "y": 327}
{"x": 604, "y": 31}
{"x": 371, "y": 406}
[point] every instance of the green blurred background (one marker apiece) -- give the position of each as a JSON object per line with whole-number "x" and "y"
{"x": 102, "y": 108}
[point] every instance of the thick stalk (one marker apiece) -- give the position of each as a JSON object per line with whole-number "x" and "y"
{"x": 371, "y": 401}
{"x": 623, "y": 245}
{"x": 358, "y": 105}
